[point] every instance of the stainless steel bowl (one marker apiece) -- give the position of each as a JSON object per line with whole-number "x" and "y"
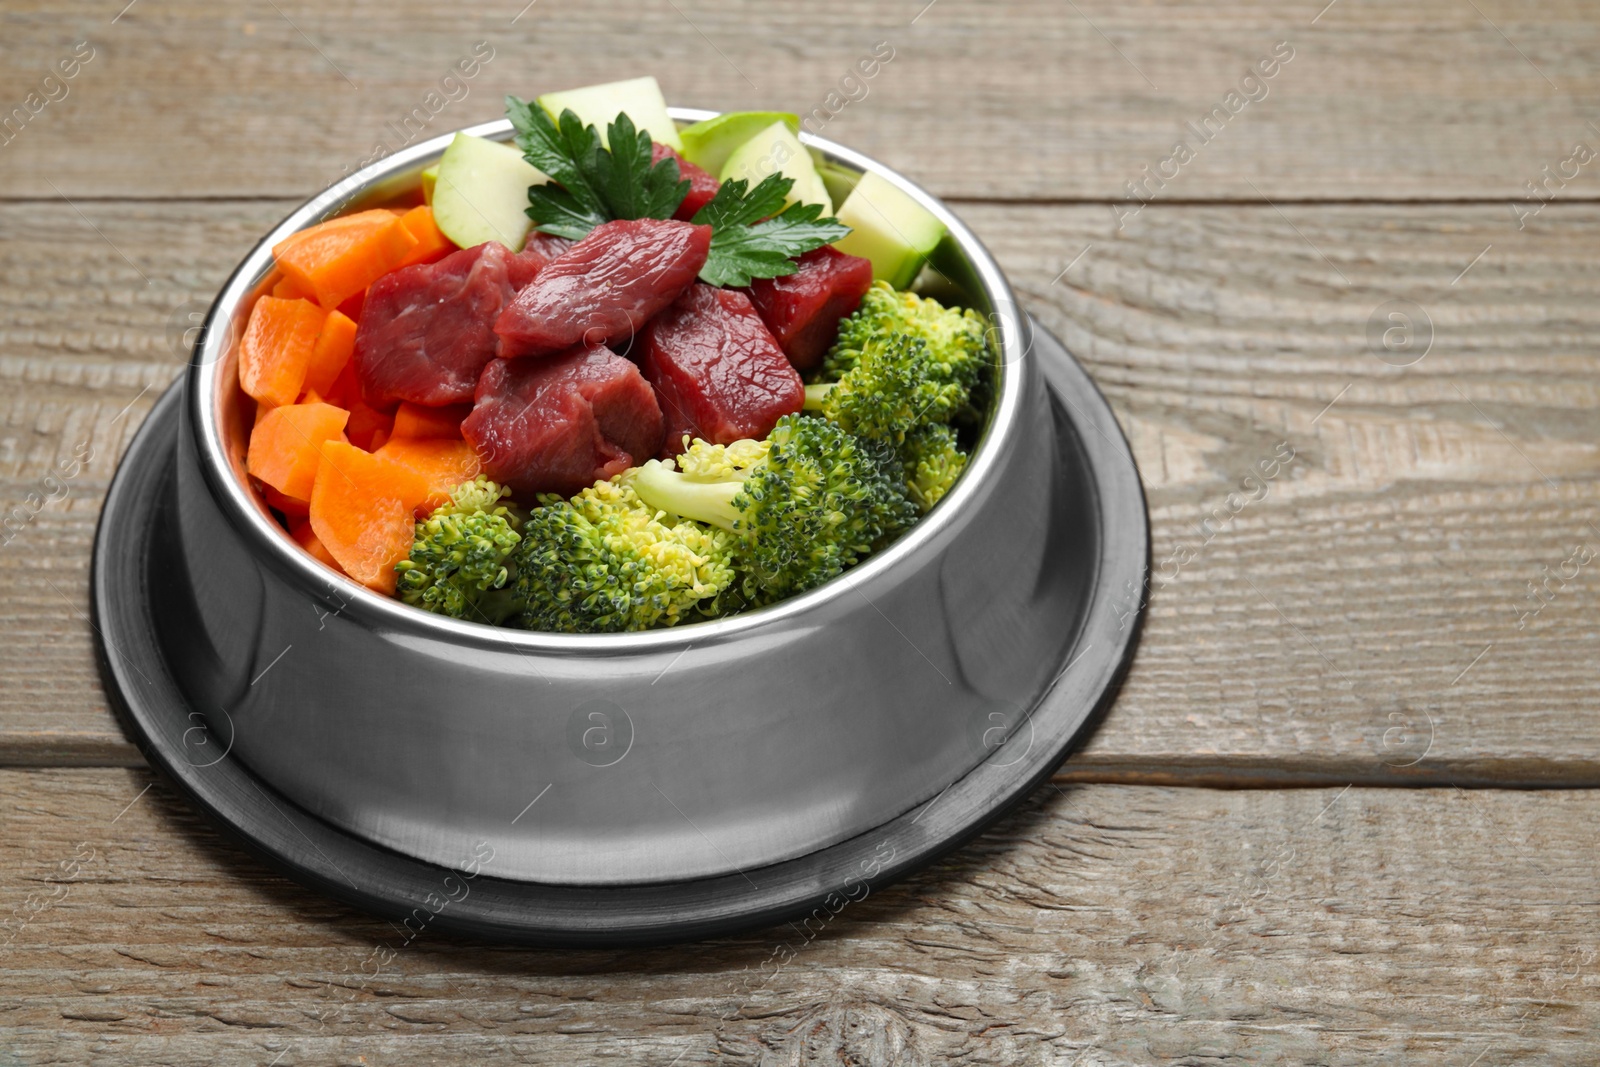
{"x": 704, "y": 750}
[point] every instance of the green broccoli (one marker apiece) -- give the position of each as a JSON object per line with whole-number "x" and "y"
{"x": 457, "y": 565}
{"x": 804, "y": 504}
{"x": 604, "y": 562}
{"x": 956, "y": 338}
{"x": 933, "y": 461}
{"x": 896, "y": 385}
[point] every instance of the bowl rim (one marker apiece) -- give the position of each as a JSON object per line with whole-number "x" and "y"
{"x": 246, "y": 512}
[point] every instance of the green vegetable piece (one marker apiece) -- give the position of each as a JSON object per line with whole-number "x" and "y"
{"x": 743, "y": 248}
{"x": 458, "y": 561}
{"x": 640, "y": 99}
{"x": 810, "y": 503}
{"x": 709, "y": 143}
{"x": 753, "y": 234}
{"x": 590, "y": 183}
{"x": 933, "y": 461}
{"x": 839, "y": 180}
{"x": 604, "y": 562}
{"x": 480, "y": 192}
{"x": 890, "y": 228}
{"x": 776, "y": 150}
{"x": 899, "y": 384}
{"x": 954, "y": 335}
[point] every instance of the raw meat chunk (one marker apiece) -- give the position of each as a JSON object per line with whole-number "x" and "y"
{"x": 803, "y": 309}
{"x": 558, "y": 425}
{"x": 717, "y": 371}
{"x": 702, "y": 184}
{"x": 539, "y": 250}
{"x": 605, "y": 287}
{"x": 427, "y": 331}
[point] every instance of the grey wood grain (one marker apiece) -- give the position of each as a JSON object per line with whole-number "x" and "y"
{"x": 1100, "y": 924}
{"x": 1367, "y": 618}
{"x": 1027, "y": 99}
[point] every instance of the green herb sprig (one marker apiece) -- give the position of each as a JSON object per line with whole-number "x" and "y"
{"x": 752, "y": 234}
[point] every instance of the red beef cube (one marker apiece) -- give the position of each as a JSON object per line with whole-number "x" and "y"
{"x": 427, "y": 331}
{"x": 605, "y": 287}
{"x": 803, "y": 309}
{"x": 717, "y": 371}
{"x": 559, "y": 425}
{"x": 702, "y": 185}
{"x": 537, "y": 252}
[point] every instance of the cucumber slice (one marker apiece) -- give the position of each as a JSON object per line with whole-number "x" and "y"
{"x": 839, "y": 180}
{"x": 708, "y": 144}
{"x": 481, "y": 193}
{"x": 776, "y": 149}
{"x": 889, "y": 228}
{"x": 429, "y": 178}
{"x": 598, "y": 105}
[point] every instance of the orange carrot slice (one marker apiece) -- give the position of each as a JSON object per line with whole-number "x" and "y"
{"x": 341, "y": 257}
{"x": 417, "y": 422}
{"x": 289, "y": 289}
{"x": 334, "y": 345}
{"x": 346, "y": 389}
{"x": 431, "y": 243}
{"x": 366, "y": 422}
{"x": 288, "y": 505}
{"x": 286, "y": 445}
{"x": 352, "y": 307}
{"x": 276, "y": 348}
{"x": 362, "y": 511}
{"x": 441, "y": 464}
{"x": 307, "y": 538}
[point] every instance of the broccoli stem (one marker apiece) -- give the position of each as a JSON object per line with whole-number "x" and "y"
{"x": 817, "y": 395}
{"x": 668, "y": 490}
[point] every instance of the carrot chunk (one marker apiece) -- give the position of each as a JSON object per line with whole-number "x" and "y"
{"x": 441, "y": 464}
{"x": 362, "y": 511}
{"x": 341, "y": 257}
{"x": 366, "y": 423}
{"x": 334, "y": 345}
{"x": 286, "y": 445}
{"x": 431, "y": 243}
{"x": 417, "y": 422}
{"x": 307, "y": 538}
{"x": 276, "y": 348}
{"x": 352, "y": 307}
{"x": 288, "y": 505}
{"x": 289, "y": 289}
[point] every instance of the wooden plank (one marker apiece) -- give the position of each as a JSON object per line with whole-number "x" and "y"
{"x": 1362, "y": 621}
{"x": 1099, "y": 924}
{"x": 1033, "y": 99}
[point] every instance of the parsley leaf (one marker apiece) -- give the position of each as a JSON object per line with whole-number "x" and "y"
{"x": 752, "y": 234}
{"x": 590, "y": 184}
{"x": 631, "y": 185}
{"x": 743, "y": 248}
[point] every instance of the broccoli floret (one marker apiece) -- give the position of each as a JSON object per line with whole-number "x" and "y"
{"x": 604, "y": 562}
{"x": 457, "y": 566}
{"x": 955, "y": 336}
{"x": 933, "y": 461}
{"x": 706, "y": 462}
{"x": 897, "y": 385}
{"x": 805, "y": 504}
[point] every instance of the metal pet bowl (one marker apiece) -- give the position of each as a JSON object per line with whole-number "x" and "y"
{"x": 625, "y": 787}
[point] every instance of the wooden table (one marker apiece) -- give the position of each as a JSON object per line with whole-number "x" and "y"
{"x": 1239, "y": 866}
